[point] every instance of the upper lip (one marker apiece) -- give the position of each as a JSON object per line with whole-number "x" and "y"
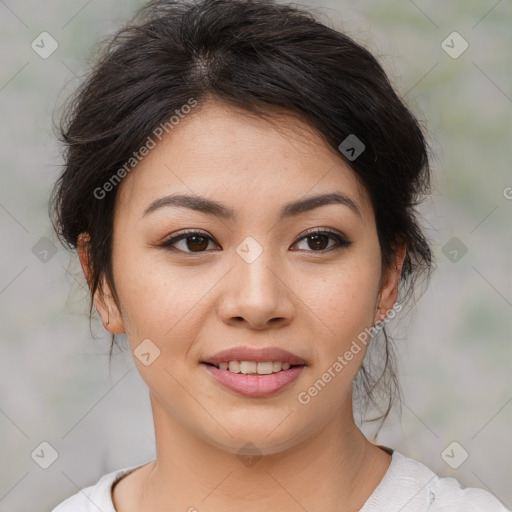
{"x": 255, "y": 354}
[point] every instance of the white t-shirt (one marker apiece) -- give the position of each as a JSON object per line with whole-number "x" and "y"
{"x": 407, "y": 486}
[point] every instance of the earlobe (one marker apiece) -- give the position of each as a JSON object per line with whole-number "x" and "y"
{"x": 103, "y": 297}
{"x": 389, "y": 288}
{"x": 108, "y": 310}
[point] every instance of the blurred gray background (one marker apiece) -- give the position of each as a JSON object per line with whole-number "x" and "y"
{"x": 56, "y": 384}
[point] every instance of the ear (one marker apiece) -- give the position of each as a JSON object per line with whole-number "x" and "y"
{"x": 389, "y": 284}
{"x": 103, "y": 297}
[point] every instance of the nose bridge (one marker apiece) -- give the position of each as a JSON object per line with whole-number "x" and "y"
{"x": 256, "y": 291}
{"x": 254, "y": 270}
{"x": 259, "y": 277}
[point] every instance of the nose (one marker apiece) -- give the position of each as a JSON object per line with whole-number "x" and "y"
{"x": 256, "y": 295}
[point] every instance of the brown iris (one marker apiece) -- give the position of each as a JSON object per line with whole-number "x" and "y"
{"x": 317, "y": 243}
{"x": 196, "y": 241}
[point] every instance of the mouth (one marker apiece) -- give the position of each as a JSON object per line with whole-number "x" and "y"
{"x": 263, "y": 360}
{"x": 254, "y": 373}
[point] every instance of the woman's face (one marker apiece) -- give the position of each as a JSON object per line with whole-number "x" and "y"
{"x": 249, "y": 279}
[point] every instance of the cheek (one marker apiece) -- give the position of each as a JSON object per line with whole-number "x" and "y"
{"x": 157, "y": 303}
{"x": 347, "y": 298}
{"x": 343, "y": 309}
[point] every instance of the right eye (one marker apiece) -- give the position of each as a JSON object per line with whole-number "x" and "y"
{"x": 193, "y": 242}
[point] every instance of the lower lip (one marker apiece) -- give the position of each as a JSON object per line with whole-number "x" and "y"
{"x": 253, "y": 384}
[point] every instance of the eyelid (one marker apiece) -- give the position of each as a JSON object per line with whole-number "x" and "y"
{"x": 314, "y": 231}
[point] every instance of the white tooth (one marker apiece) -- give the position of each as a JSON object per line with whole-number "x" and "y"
{"x": 248, "y": 366}
{"x": 252, "y": 367}
{"x": 265, "y": 368}
{"x": 234, "y": 366}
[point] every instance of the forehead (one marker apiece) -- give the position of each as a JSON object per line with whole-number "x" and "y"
{"x": 221, "y": 150}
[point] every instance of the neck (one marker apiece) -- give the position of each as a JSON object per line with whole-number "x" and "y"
{"x": 337, "y": 468}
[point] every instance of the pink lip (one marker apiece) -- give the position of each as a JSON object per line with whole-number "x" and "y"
{"x": 253, "y": 354}
{"x": 252, "y": 384}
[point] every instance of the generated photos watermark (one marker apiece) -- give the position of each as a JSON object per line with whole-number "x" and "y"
{"x": 304, "y": 397}
{"x": 143, "y": 151}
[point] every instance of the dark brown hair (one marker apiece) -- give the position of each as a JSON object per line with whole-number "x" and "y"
{"x": 257, "y": 55}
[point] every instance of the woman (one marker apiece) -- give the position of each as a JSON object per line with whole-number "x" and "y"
{"x": 240, "y": 185}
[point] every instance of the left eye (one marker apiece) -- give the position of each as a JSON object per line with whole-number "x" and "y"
{"x": 197, "y": 241}
{"x": 318, "y": 240}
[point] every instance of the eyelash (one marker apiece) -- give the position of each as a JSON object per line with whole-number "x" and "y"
{"x": 333, "y": 235}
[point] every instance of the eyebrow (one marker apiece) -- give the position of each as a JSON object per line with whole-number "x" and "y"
{"x": 211, "y": 207}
